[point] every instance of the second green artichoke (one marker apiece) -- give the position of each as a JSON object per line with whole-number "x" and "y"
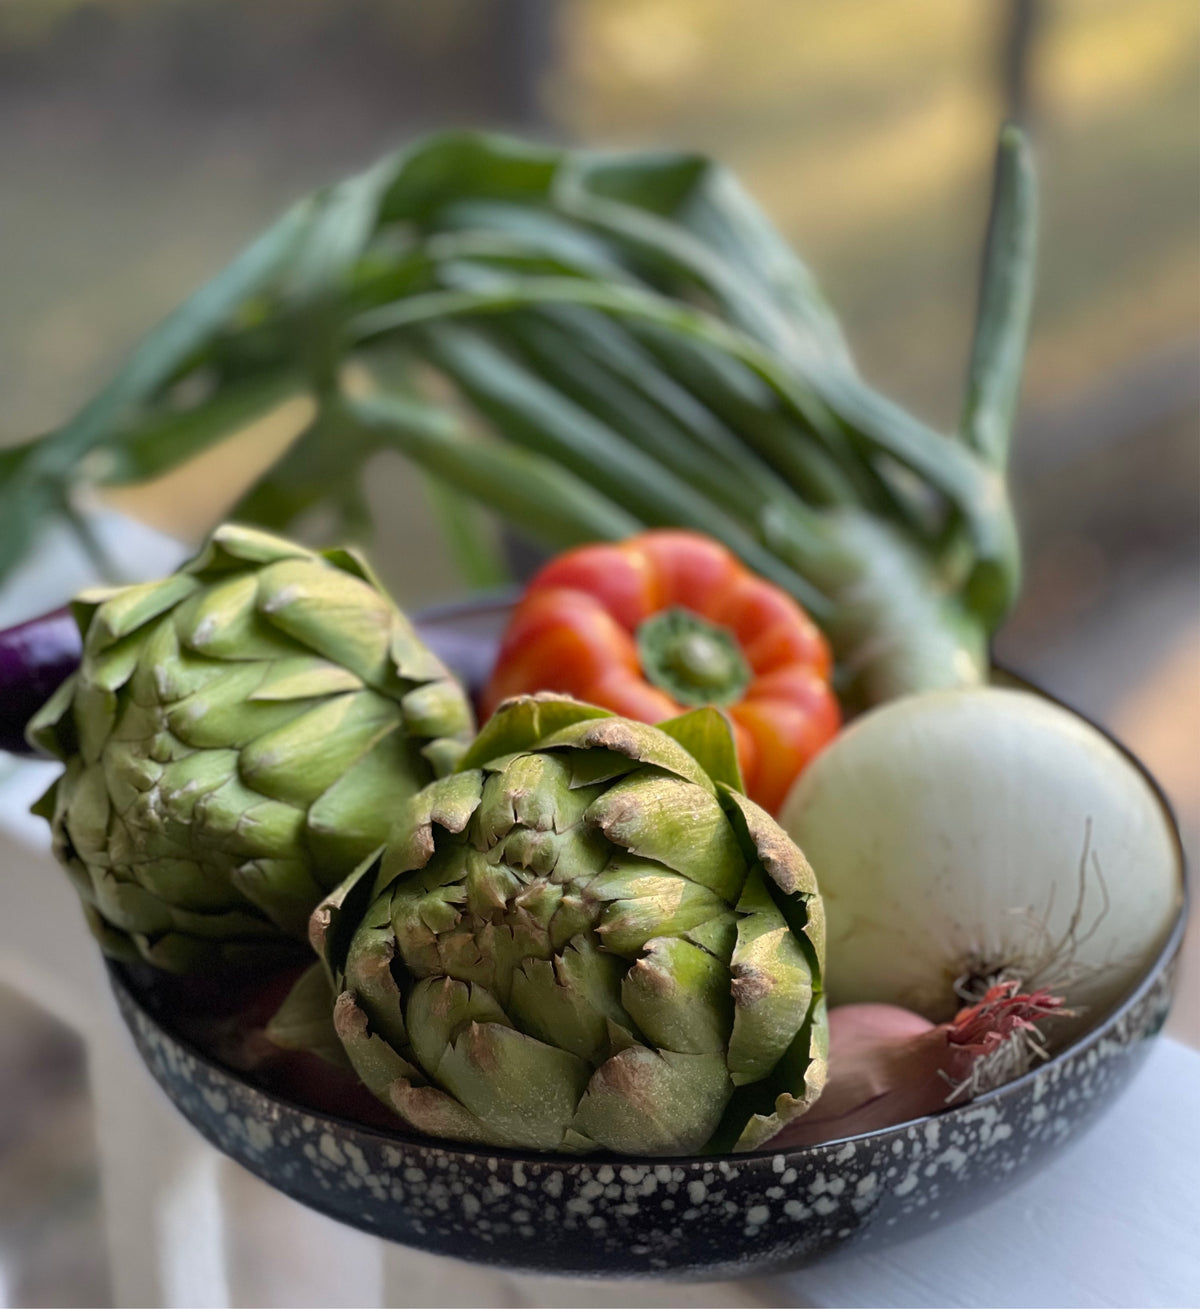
{"x": 237, "y": 738}
{"x": 586, "y": 938}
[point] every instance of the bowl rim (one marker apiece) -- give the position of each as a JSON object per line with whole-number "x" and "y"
{"x": 121, "y": 979}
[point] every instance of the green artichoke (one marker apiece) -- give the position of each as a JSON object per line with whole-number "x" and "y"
{"x": 586, "y": 938}
{"x": 237, "y": 738}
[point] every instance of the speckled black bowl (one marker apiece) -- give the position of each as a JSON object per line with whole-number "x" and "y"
{"x": 695, "y": 1218}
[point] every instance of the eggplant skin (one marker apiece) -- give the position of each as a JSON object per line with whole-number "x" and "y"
{"x": 36, "y": 657}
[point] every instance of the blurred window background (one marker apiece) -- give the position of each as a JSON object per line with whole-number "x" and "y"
{"x": 143, "y": 142}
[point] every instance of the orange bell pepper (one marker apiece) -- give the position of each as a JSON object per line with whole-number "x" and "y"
{"x": 668, "y": 620}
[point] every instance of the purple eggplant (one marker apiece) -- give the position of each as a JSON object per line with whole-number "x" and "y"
{"x": 37, "y": 656}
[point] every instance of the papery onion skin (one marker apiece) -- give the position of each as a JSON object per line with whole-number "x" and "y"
{"x": 977, "y": 834}
{"x": 888, "y": 1065}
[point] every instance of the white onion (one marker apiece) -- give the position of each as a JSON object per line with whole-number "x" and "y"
{"x": 962, "y": 835}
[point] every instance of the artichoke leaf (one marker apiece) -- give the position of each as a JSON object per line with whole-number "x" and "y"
{"x": 225, "y": 715}
{"x": 369, "y": 975}
{"x": 52, "y": 729}
{"x": 448, "y": 803}
{"x": 96, "y": 714}
{"x": 423, "y": 905}
{"x": 376, "y": 1062}
{"x": 678, "y": 995}
{"x": 521, "y": 724}
{"x": 706, "y": 735}
{"x": 442, "y": 754}
{"x": 790, "y": 877}
{"x": 85, "y": 810}
{"x": 643, "y": 900}
{"x": 340, "y": 617}
{"x": 304, "y": 677}
{"x": 528, "y": 791}
{"x": 660, "y": 816}
{"x": 434, "y": 709}
{"x": 772, "y": 985}
{"x": 523, "y": 1090}
{"x": 304, "y": 1021}
{"x": 232, "y": 544}
{"x": 311, "y": 751}
{"x": 800, "y": 1073}
{"x": 591, "y": 767}
{"x": 782, "y": 860}
{"x": 117, "y": 944}
{"x": 354, "y": 815}
{"x": 105, "y": 616}
{"x": 198, "y": 791}
{"x": 641, "y": 1102}
{"x": 181, "y": 952}
{"x": 637, "y": 741}
{"x": 432, "y": 1112}
{"x": 112, "y": 667}
{"x": 284, "y": 889}
{"x": 571, "y": 1000}
{"x": 130, "y": 907}
{"x": 335, "y": 919}
{"x": 221, "y": 621}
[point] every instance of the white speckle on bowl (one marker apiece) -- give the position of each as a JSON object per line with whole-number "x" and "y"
{"x": 217, "y": 1101}
{"x": 259, "y": 1135}
{"x": 909, "y": 1183}
{"x": 331, "y": 1150}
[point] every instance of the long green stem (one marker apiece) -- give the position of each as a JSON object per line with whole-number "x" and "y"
{"x": 608, "y": 395}
{"x": 527, "y": 411}
{"x": 935, "y": 458}
{"x": 741, "y": 400}
{"x": 1005, "y": 303}
{"x": 537, "y": 495}
{"x": 646, "y": 350}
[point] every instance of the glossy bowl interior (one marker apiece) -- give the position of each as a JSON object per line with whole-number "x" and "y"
{"x": 691, "y": 1218}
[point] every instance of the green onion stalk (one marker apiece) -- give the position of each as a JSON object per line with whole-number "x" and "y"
{"x": 588, "y": 344}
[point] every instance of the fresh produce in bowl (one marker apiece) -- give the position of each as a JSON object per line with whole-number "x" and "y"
{"x": 852, "y": 1185}
{"x": 585, "y": 938}
{"x": 670, "y": 619}
{"x": 234, "y": 741}
{"x": 578, "y": 952}
{"x": 795, "y": 1198}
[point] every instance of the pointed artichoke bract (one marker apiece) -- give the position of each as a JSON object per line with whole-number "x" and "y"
{"x": 237, "y": 738}
{"x": 585, "y": 939}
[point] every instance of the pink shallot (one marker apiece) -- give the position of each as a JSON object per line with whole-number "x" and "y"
{"x": 888, "y": 1065}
